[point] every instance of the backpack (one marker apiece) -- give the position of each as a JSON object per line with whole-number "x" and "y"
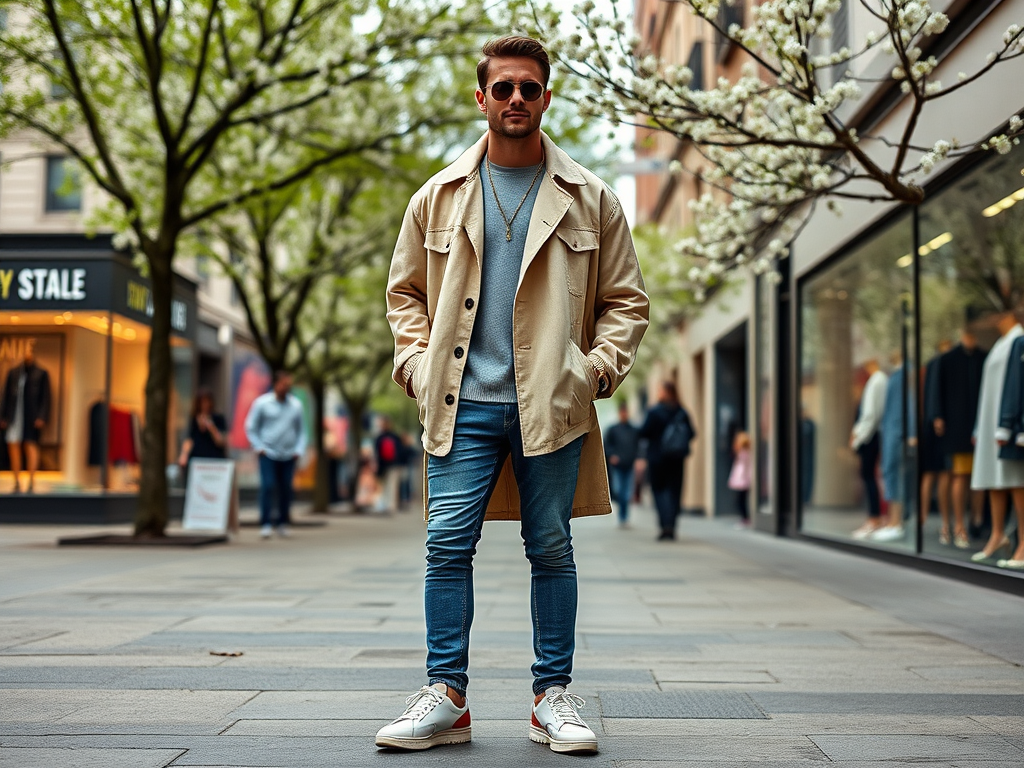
{"x": 388, "y": 451}
{"x": 675, "y": 440}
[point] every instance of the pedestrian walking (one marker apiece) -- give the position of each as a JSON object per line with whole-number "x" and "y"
{"x": 740, "y": 476}
{"x": 667, "y": 432}
{"x": 621, "y": 448}
{"x": 277, "y": 432}
{"x": 387, "y": 450}
{"x": 516, "y": 300}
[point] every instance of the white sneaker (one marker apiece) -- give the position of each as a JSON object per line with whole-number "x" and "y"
{"x": 283, "y": 532}
{"x": 265, "y": 532}
{"x": 555, "y": 721}
{"x": 430, "y": 718}
{"x": 888, "y": 533}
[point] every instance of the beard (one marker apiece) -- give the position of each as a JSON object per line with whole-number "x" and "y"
{"x": 518, "y": 130}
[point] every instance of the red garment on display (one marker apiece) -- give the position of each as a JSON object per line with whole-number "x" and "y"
{"x": 122, "y": 438}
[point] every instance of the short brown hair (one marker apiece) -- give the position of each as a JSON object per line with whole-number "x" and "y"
{"x": 513, "y": 46}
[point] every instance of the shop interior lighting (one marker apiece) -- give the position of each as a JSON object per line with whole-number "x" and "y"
{"x": 1007, "y": 202}
{"x": 932, "y": 245}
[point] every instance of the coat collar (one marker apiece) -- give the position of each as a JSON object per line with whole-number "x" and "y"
{"x": 558, "y": 163}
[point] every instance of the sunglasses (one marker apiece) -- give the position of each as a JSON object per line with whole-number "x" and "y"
{"x": 503, "y": 90}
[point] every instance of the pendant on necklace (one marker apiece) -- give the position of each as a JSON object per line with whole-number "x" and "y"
{"x": 508, "y": 234}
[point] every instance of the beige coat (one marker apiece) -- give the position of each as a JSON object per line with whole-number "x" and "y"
{"x": 580, "y": 294}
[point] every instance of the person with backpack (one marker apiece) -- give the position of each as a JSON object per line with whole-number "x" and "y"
{"x": 668, "y": 433}
{"x": 388, "y": 450}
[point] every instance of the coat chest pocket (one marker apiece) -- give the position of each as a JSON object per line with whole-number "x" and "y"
{"x": 579, "y": 247}
{"x": 438, "y": 240}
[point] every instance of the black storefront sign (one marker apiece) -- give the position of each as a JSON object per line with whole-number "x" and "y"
{"x": 110, "y": 284}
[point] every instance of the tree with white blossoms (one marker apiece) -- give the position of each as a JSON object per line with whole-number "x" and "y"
{"x": 181, "y": 111}
{"x": 774, "y": 141}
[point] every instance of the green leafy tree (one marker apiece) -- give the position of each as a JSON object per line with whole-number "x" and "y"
{"x": 180, "y": 112}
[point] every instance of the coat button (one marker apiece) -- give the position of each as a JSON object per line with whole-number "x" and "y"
{"x": 449, "y": 399}
{"x": 459, "y": 352}
{"x": 469, "y": 303}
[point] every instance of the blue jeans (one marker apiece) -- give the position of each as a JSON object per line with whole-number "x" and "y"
{"x": 276, "y": 476}
{"x": 621, "y": 477}
{"x": 459, "y": 486}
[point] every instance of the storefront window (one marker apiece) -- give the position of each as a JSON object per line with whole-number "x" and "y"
{"x": 858, "y": 394}
{"x": 71, "y": 350}
{"x": 74, "y": 341}
{"x": 972, "y": 279}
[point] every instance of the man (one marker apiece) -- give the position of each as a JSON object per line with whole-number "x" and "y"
{"x": 388, "y": 452}
{"x": 24, "y": 412}
{"x": 515, "y": 299}
{"x": 277, "y": 432}
{"x": 667, "y": 432}
{"x": 621, "y": 446}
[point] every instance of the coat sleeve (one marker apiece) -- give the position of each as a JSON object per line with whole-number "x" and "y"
{"x": 45, "y": 397}
{"x": 407, "y": 299}
{"x": 1010, "y": 404}
{"x": 621, "y": 306}
{"x": 872, "y": 404}
{"x": 933, "y": 390}
{"x": 252, "y": 426}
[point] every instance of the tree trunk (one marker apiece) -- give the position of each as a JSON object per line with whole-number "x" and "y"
{"x": 151, "y": 517}
{"x": 321, "y": 490}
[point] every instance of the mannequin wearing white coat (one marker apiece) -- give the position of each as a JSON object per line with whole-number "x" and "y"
{"x": 1000, "y": 477}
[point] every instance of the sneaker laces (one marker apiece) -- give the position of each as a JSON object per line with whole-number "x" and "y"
{"x": 422, "y": 703}
{"x": 564, "y": 705}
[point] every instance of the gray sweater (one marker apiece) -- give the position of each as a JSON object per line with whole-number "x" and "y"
{"x": 489, "y": 375}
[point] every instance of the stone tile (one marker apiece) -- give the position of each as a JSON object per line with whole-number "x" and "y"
{"x": 1012, "y": 725}
{"x": 710, "y": 673}
{"x": 1003, "y": 675}
{"x": 795, "y": 725}
{"x": 245, "y": 640}
{"x": 702, "y": 705}
{"x": 28, "y": 757}
{"x": 918, "y": 748}
{"x": 889, "y": 703}
{"x": 110, "y": 706}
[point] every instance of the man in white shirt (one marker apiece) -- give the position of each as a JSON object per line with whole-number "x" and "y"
{"x": 277, "y": 432}
{"x": 864, "y": 439}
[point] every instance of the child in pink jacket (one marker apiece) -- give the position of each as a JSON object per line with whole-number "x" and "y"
{"x": 739, "y": 477}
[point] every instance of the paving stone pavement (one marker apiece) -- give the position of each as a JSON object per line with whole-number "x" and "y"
{"x": 724, "y": 648}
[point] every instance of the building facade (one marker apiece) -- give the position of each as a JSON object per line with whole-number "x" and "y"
{"x": 902, "y": 291}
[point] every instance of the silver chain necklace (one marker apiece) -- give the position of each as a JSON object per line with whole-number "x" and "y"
{"x": 506, "y": 219}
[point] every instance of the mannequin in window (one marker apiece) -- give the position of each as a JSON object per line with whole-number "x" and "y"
{"x": 896, "y": 428}
{"x": 24, "y": 412}
{"x": 935, "y": 474}
{"x": 864, "y": 439}
{"x": 991, "y": 473}
{"x": 1010, "y": 437}
{"x": 952, "y": 406}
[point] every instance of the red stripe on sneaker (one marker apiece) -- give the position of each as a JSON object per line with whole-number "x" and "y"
{"x": 535, "y": 721}
{"x": 462, "y": 722}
